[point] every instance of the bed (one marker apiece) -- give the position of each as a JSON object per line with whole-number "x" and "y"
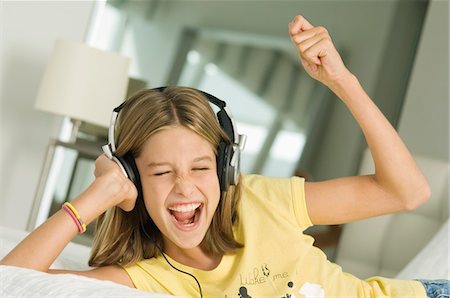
{"x": 21, "y": 282}
{"x": 431, "y": 262}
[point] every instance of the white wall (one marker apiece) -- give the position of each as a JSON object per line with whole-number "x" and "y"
{"x": 424, "y": 123}
{"x": 29, "y": 30}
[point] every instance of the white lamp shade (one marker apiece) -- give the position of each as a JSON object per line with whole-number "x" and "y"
{"x": 83, "y": 83}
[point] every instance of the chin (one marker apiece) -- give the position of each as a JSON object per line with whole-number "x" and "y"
{"x": 189, "y": 242}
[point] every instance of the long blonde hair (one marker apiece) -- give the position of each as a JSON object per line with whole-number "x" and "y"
{"x": 119, "y": 237}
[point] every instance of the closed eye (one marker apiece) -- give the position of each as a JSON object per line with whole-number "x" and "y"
{"x": 162, "y": 173}
{"x": 201, "y": 169}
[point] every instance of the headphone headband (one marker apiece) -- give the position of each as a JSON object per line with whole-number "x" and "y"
{"x": 228, "y": 154}
{"x": 225, "y": 118}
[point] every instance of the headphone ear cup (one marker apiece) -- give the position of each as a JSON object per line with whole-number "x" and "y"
{"x": 233, "y": 169}
{"x": 223, "y": 165}
{"x": 126, "y": 166}
{"x": 130, "y": 167}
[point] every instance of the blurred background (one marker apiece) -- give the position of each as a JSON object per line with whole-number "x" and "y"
{"x": 239, "y": 51}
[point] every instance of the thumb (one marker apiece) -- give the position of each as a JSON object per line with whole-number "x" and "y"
{"x": 308, "y": 66}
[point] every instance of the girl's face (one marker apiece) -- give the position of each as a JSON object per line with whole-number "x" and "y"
{"x": 180, "y": 185}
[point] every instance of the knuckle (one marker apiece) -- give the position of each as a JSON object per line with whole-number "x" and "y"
{"x": 310, "y": 55}
{"x": 299, "y": 18}
{"x": 302, "y": 48}
{"x": 114, "y": 175}
{"x": 126, "y": 188}
{"x": 325, "y": 36}
{"x": 322, "y": 29}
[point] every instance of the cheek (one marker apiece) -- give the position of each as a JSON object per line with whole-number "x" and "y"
{"x": 154, "y": 196}
{"x": 211, "y": 188}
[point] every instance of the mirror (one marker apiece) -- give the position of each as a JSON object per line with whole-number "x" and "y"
{"x": 240, "y": 51}
{"x": 274, "y": 102}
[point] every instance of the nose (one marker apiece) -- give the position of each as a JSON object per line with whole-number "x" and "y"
{"x": 184, "y": 186}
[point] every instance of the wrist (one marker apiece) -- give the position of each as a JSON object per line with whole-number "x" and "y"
{"x": 100, "y": 196}
{"x": 342, "y": 80}
{"x": 344, "y": 85}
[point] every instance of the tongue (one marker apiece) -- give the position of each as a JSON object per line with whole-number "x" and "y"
{"x": 183, "y": 216}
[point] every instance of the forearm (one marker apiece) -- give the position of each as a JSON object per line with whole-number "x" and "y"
{"x": 395, "y": 169}
{"x": 41, "y": 247}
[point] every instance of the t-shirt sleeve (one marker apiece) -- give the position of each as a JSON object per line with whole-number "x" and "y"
{"x": 135, "y": 274}
{"x": 287, "y": 195}
{"x": 299, "y": 202}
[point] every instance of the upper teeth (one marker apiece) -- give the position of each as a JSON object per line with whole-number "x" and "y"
{"x": 185, "y": 207}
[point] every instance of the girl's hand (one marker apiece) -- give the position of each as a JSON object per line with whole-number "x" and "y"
{"x": 317, "y": 52}
{"x": 111, "y": 178}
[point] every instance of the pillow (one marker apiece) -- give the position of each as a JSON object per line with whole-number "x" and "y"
{"x": 22, "y": 282}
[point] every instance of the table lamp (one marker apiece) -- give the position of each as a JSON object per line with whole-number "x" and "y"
{"x": 83, "y": 83}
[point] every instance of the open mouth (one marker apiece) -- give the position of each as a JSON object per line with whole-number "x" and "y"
{"x": 186, "y": 215}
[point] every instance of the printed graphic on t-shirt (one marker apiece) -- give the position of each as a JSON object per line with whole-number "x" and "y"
{"x": 262, "y": 275}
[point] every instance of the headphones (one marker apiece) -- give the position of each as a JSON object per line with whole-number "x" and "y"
{"x": 228, "y": 155}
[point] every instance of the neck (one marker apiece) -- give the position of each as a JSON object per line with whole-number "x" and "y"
{"x": 194, "y": 257}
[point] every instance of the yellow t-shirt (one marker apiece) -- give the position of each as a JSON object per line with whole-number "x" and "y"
{"x": 277, "y": 260}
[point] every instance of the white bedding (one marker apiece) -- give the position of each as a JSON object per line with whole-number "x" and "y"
{"x": 432, "y": 262}
{"x": 74, "y": 256}
{"x": 21, "y": 282}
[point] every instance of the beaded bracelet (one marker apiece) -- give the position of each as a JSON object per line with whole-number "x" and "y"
{"x": 75, "y": 216}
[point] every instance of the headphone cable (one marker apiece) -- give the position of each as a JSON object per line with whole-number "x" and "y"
{"x": 165, "y": 258}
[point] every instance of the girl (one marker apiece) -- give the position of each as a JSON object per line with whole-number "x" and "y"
{"x": 184, "y": 223}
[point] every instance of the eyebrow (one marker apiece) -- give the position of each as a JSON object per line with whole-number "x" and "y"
{"x": 159, "y": 164}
